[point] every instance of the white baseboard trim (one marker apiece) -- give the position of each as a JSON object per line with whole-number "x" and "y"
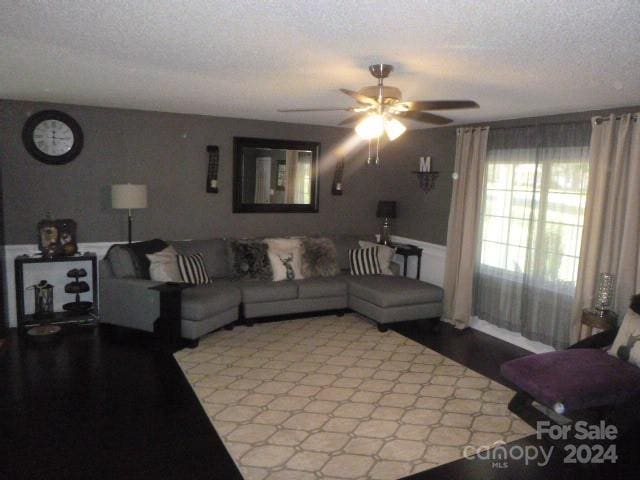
{"x": 514, "y": 338}
{"x": 10, "y": 252}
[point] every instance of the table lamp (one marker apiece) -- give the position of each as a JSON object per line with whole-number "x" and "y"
{"x": 387, "y": 210}
{"x": 127, "y": 196}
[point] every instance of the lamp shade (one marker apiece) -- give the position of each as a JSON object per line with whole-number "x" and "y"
{"x": 386, "y": 209}
{"x": 128, "y": 196}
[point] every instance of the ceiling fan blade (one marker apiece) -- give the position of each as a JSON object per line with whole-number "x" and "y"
{"x": 424, "y": 117}
{"x": 420, "y": 105}
{"x": 315, "y": 110}
{"x": 360, "y": 98}
{"x": 352, "y": 119}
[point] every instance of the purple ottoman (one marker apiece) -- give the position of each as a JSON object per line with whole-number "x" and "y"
{"x": 575, "y": 378}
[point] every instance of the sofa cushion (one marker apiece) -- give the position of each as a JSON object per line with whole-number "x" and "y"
{"x": 213, "y": 250}
{"x": 578, "y": 378}
{"x": 322, "y": 287}
{"x": 388, "y": 291}
{"x": 120, "y": 259}
{"x": 267, "y": 291}
{"x": 204, "y": 301}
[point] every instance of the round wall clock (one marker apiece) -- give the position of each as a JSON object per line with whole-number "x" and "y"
{"x": 52, "y": 137}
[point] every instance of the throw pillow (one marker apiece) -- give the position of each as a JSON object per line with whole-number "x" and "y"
{"x": 140, "y": 250}
{"x": 627, "y": 343}
{"x": 249, "y": 260}
{"x": 285, "y": 253}
{"x": 282, "y": 266}
{"x": 192, "y": 269}
{"x": 163, "y": 266}
{"x": 121, "y": 261}
{"x": 319, "y": 258}
{"x": 385, "y": 255}
{"x": 364, "y": 261}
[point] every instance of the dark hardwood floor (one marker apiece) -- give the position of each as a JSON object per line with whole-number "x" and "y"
{"x": 91, "y": 406}
{"x": 100, "y": 405}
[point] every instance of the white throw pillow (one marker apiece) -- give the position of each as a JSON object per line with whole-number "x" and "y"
{"x": 628, "y": 338}
{"x": 385, "y": 255}
{"x": 164, "y": 266}
{"x": 285, "y": 255}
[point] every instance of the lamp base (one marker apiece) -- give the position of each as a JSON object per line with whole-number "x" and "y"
{"x": 385, "y": 235}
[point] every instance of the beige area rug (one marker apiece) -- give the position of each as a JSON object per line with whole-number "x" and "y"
{"x": 333, "y": 398}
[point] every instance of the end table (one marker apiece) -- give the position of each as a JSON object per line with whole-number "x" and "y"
{"x": 605, "y": 320}
{"x": 168, "y": 326}
{"x": 407, "y": 251}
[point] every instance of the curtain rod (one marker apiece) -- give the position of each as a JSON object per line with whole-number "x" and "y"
{"x": 599, "y": 120}
{"x": 529, "y": 125}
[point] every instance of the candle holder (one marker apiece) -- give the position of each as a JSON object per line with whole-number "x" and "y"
{"x": 427, "y": 180}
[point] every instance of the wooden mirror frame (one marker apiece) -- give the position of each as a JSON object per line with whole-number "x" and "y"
{"x": 243, "y": 142}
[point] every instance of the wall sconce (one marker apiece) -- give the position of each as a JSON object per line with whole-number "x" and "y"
{"x": 426, "y": 177}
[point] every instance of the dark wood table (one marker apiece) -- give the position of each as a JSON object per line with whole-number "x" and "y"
{"x": 92, "y": 405}
{"x": 407, "y": 251}
{"x": 605, "y": 320}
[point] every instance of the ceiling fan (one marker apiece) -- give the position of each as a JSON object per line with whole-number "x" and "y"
{"x": 380, "y": 107}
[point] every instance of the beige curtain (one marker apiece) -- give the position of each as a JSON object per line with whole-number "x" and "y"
{"x": 611, "y": 235}
{"x": 471, "y": 151}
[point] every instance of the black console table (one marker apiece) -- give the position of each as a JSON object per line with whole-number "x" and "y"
{"x": 29, "y": 320}
{"x": 407, "y": 251}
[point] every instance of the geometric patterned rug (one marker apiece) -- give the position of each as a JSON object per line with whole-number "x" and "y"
{"x": 332, "y": 398}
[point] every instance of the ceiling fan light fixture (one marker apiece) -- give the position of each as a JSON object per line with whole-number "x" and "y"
{"x": 372, "y": 126}
{"x": 394, "y": 128}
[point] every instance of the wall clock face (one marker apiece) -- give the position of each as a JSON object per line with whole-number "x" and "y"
{"x": 52, "y": 137}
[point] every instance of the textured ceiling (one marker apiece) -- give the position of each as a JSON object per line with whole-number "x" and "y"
{"x": 247, "y": 58}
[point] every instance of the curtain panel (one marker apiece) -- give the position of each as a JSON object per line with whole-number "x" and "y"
{"x": 471, "y": 148}
{"x": 529, "y": 234}
{"x": 611, "y": 238}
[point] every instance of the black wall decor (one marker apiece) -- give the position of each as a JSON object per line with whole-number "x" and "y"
{"x": 212, "y": 171}
{"x": 336, "y": 188}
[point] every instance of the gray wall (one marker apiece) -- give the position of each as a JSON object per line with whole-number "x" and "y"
{"x": 166, "y": 152}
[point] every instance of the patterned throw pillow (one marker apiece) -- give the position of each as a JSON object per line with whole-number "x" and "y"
{"x": 627, "y": 343}
{"x": 364, "y": 261}
{"x": 285, "y": 256}
{"x": 192, "y": 269}
{"x": 385, "y": 255}
{"x": 249, "y": 260}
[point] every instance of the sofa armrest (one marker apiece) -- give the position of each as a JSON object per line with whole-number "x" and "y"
{"x": 599, "y": 340}
{"x": 129, "y": 302}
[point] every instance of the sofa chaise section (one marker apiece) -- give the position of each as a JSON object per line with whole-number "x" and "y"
{"x": 388, "y": 299}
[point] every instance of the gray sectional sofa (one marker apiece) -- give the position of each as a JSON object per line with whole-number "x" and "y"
{"x": 385, "y": 299}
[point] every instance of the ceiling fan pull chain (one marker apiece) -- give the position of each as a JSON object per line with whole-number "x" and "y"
{"x": 369, "y": 155}
{"x": 378, "y": 150}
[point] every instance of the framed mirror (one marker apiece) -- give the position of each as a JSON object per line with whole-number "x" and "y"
{"x": 275, "y": 175}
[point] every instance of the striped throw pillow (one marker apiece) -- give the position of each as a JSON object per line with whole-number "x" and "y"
{"x": 192, "y": 269}
{"x": 364, "y": 261}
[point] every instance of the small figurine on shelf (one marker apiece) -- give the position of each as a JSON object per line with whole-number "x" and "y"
{"x": 77, "y": 287}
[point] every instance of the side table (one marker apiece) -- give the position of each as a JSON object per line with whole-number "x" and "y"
{"x": 168, "y": 326}
{"x": 407, "y": 251}
{"x": 594, "y": 319}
